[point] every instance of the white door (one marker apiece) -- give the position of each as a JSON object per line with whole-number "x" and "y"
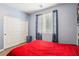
{"x": 15, "y": 31}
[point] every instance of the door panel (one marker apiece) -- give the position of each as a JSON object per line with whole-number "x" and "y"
{"x": 15, "y": 31}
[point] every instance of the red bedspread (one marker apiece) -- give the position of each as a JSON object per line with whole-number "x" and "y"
{"x": 45, "y": 48}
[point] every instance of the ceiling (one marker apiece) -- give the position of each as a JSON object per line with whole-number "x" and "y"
{"x": 30, "y": 7}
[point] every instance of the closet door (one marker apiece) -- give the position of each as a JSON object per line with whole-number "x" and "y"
{"x": 15, "y": 31}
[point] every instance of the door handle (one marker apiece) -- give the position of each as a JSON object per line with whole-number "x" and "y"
{"x": 5, "y": 34}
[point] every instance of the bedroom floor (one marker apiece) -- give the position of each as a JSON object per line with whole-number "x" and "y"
{"x": 6, "y": 51}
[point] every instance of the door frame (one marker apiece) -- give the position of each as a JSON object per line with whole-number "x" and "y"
{"x": 56, "y": 36}
{"x": 3, "y": 31}
{"x": 54, "y": 11}
{"x": 38, "y": 34}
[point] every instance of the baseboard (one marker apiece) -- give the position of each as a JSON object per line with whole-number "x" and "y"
{"x": 15, "y": 45}
{"x": 12, "y": 44}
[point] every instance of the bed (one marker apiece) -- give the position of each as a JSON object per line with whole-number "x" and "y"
{"x": 45, "y": 48}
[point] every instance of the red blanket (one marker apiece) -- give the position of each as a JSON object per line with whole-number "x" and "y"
{"x": 45, "y": 48}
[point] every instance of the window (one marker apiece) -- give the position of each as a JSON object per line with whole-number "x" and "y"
{"x": 45, "y": 23}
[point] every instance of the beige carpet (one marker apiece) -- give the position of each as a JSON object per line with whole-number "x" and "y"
{"x": 6, "y": 51}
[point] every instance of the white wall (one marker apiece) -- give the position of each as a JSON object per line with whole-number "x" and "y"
{"x": 9, "y": 11}
{"x": 67, "y": 18}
